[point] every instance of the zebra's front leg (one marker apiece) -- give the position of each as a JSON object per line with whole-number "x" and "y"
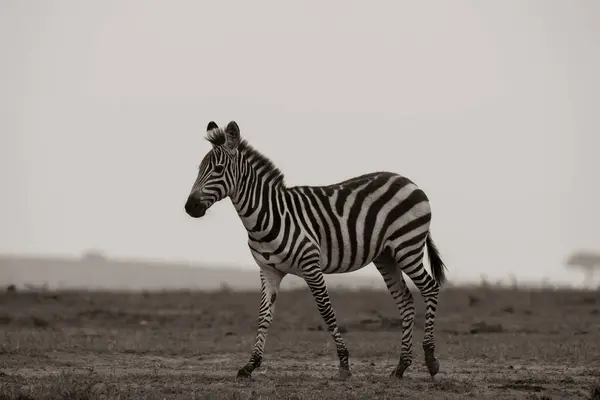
{"x": 270, "y": 280}
{"x": 316, "y": 283}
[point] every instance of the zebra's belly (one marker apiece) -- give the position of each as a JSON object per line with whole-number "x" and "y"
{"x": 343, "y": 266}
{"x": 350, "y": 249}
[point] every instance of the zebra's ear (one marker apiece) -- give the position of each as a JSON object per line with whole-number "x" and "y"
{"x": 232, "y": 135}
{"x": 211, "y": 125}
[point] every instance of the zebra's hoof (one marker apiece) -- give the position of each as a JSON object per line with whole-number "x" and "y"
{"x": 344, "y": 373}
{"x": 395, "y": 374}
{"x": 244, "y": 373}
{"x": 433, "y": 365}
{"x": 398, "y": 372}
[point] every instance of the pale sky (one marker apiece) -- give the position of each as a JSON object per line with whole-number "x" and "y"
{"x": 490, "y": 107}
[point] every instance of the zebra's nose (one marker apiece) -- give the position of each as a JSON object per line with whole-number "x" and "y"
{"x": 194, "y": 207}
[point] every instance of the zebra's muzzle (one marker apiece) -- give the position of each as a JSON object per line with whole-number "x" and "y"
{"x": 194, "y": 208}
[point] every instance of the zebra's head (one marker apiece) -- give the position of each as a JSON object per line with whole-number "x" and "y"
{"x": 217, "y": 173}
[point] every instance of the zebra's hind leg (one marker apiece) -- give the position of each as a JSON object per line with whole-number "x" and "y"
{"x": 270, "y": 280}
{"x": 392, "y": 276}
{"x": 411, "y": 262}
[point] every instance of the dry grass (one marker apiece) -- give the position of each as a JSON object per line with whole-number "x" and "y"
{"x": 492, "y": 343}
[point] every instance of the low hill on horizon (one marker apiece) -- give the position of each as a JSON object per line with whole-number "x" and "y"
{"x": 94, "y": 271}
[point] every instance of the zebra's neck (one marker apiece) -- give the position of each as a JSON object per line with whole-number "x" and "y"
{"x": 259, "y": 195}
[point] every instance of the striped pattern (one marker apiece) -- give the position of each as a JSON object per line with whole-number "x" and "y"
{"x": 381, "y": 218}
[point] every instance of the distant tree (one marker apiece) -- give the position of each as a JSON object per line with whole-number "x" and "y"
{"x": 587, "y": 261}
{"x": 225, "y": 288}
{"x": 94, "y": 255}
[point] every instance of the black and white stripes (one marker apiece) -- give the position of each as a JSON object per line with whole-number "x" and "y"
{"x": 309, "y": 231}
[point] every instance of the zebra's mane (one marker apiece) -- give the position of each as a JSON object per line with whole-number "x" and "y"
{"x": 217, "y": 138}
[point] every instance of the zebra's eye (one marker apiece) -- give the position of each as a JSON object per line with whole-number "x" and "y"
{"x": 218, "y": 169}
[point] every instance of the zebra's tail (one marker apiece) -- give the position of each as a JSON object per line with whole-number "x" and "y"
{"x": 435, "y": 260}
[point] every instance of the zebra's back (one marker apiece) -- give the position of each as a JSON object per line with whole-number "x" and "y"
{"x": 354, "y": 221}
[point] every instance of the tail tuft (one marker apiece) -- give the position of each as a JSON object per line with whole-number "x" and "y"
{"x": 435, "y": 260}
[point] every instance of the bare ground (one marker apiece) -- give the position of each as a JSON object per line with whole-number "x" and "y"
{"x": 491, "y": 342}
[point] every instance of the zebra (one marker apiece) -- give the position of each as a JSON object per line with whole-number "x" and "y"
{"x": 309, "y": 231}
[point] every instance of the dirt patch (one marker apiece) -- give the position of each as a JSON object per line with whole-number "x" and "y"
{"x": 182, "y": 345}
